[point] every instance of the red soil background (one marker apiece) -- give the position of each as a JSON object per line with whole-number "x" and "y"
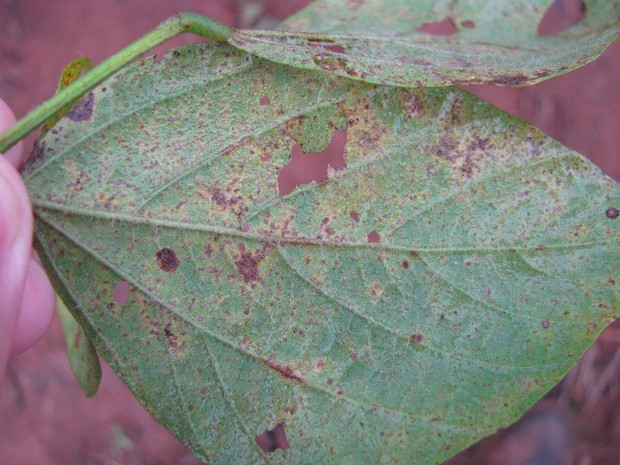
{"x": 44, "y": 417}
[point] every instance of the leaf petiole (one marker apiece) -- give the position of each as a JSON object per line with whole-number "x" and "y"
{"x": 183, "y": 22}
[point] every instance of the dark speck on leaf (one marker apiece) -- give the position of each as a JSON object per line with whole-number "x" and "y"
{"x": 405, "y": 264}
{"x": 612, "y": 213}
{"x": 416, "y": 338}
{"x": 167, "y": 260}
{"x": 274, "y": 439}
{"x": 264, "y": 101}
{"x": 354, "y": 216}
{"x": 545, "y": 324}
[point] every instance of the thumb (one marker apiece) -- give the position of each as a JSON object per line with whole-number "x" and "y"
{"x": 15, "y": 252}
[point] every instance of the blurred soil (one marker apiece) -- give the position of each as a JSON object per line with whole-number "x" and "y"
{"x": 44, "y": 417}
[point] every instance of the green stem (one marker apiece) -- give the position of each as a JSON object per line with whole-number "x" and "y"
{"x": 183, "y": 22}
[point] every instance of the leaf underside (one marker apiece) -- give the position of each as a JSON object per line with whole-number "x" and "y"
{"x": 379, "y": 41}
{"x": 411, "y": 303}
{"x": 81, "y": 353}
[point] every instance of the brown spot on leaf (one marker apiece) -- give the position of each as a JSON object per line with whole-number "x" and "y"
{"x": 545, "y": 324}
{"x": 373, "y": 237}
{"x": 354, "y": 216}
{"x": 167, "y": 260}
{"x": 468, "y": 24}
{"x": 264, "y": 101}
{"x": 38, "y": 153}
{"x": 248, "y": 263}
{"x": 283, "y": 370}
{"x": 464, "y": 157}
{"x": 405, "y": 264}
{"x": 612, "y": 213}
{"x": 121, "y": 292}
{"x": 83, "y": 110}
{"x": 226, "y": 198}
{"x": 512, "y": 80}
{"x": 175, "y": 342}
{"x": 416, "y": 338}
{"x": 444, "y": 27}
{"x": 274, "y": 439}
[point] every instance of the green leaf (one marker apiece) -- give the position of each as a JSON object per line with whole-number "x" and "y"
{"x": 81, "y": 353}
{"x": 379, "y": 41}
{"x": 72, "y": 72}
{"x": 411, "y": 303}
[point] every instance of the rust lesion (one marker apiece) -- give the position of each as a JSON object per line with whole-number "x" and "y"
{"x": 83, "y": 110}
{"x": 286, "y": 371}
{"x": 167, "y": 260}
{"x": 465, "y": 157}
{"x": 225, "y": 198}
{"x": 248, "y": 263}
{"x": 175, "y": 340}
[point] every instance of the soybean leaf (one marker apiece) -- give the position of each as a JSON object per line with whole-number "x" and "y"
{"x": 379, "y": 41}
{"x": 414, "y": 301}
{"x": 81, "y": 353}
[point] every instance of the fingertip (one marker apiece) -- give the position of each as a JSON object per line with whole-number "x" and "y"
{"x": 37, "y": 308}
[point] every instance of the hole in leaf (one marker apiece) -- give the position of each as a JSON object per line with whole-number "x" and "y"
{"x": 373, "y": 236}
{"x": 444, "y": 27}
{"x": 121, "y": 293}
{"x": 335, "y": 48}
{"x": 560, "y": 16}
{"x": 304, "y": 168}
{"x": 264, "y": 101}
{"x": 272, "y": 440}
